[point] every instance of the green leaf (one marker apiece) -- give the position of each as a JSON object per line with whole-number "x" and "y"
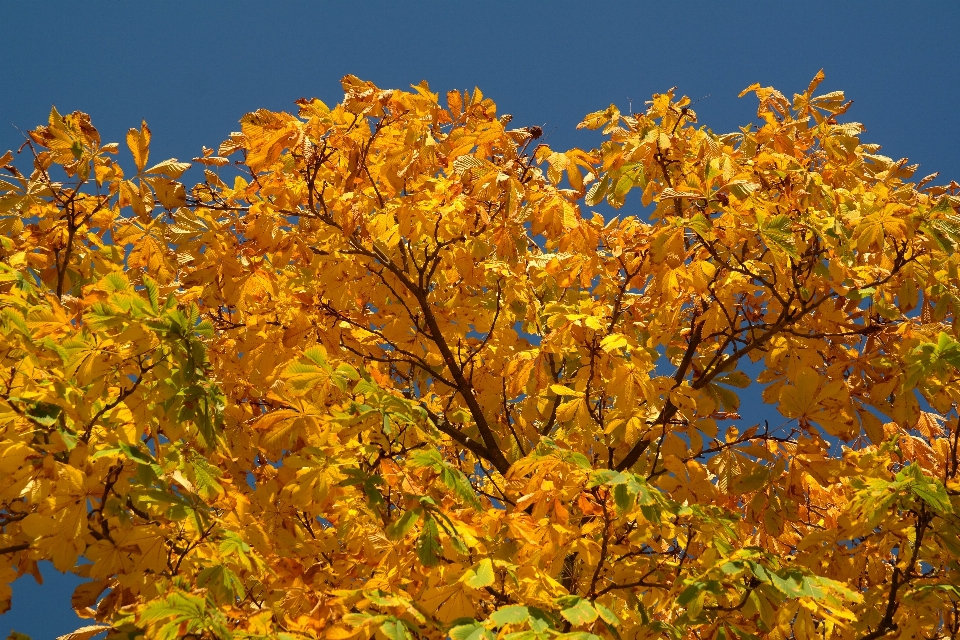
{"x": 810, "y": 587}
{"x": 222, "y": 582}
{"x": 316, "y": 355}
{"x": 428, "y": 544}
{"x": 109, "y": 451}
{"x": 699, "y": 223}
{"x": 582, "y": 612}
{"x": 402, "y": 525}
{"x": 348, "y": 372}
{"x": 180, "y": 607}
{"x": 778, "y": 233}
{"x": 44, "y": 413}
{"x": 430, "y": 458}
{"x": 511, "y": 614}
{"x": 930, "y": 490}
{"x": 945, "y": 234}
{"x": 206, "y": 476}
{"x": 204, "y": 329}
{"x": 382, "y": 598}
{"x": 623, "y": 497}
{"x": 302, "y": 376}
{"x": 451, "y": 477}
{"x": 573, "y": 457}
{"x": 395, "y": 629}
{"x": 136, "y": 454}
{"x": 729, "y": 400}
{"x": 357, "y": 476}
{"x": 482, "y": 576}
{"x": 688, "y": 594}
{"x": 153, "y": 293}
{"x": 608, "y": 616}
{"x": 232, "y": 544}
{"x": 458, "y": 483}
{"x": 184, "y": 613}
{"x": 759, "y": 571}
{"x": 16, "y": 319}
{"x": 473, "y": 631}
{"x": 951, "y": 540}
{"x": 787, "y": 586}
{"x": 606, "y": 476}
{"x": 751, "y": 480}
{"x": 932, "y": 358}
{"x": 116, "y": 281}
{"x": 618, "y": 194}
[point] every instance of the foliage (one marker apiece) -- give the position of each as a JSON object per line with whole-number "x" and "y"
{"x": 381, "y": 374}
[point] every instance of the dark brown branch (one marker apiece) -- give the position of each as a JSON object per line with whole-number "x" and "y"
{"x": 900, "y": 578}
{"x": 14, "y": 548}
{"x": 592, "y": 592}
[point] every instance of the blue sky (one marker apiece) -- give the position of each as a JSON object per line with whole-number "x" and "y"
{"x": 192, "y": 69}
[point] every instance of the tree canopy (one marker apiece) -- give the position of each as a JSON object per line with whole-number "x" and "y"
{"x": 383, "y": 373}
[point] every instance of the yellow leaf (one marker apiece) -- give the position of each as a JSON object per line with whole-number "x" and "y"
{"x": 800, "y": 399}
{"x": 449, "y": 603}
{"x": 613, "y": 342}
{"x": 12, "y": 456}
{"x": 86, "y": 594}
{"x": 85, "y": 633}
{"x": 561, "y": 390}
{"x": 170, "y": 193}
{"x": 269, "y": 420}
{"x": 171, "y": 168}
{"x": 139, "y": 144}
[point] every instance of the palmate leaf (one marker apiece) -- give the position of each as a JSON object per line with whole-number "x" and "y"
{"x": 222, "y": 582}
{"x": 178, "y": 606}
{"x": 451, "y": 477}
{"x": 305, "y": 375}
{"x": 933, "y": 358}
{"x": 233, "y": 544}
{"x": 369, "y": 484}
{"x": 929, "y": 490}
{"x": 777, "y": 231}
{"x": 173, "y": 611}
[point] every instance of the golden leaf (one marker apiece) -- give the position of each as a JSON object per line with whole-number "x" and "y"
{"x": 139, "y": 145}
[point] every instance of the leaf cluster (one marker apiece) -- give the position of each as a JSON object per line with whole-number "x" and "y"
{"x": 380, "y": 373}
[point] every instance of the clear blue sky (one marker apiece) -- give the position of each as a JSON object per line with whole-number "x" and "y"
{"x": 192, "y": 69}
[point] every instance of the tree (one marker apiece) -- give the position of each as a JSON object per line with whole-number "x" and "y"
{"x": 381, "y": 374}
